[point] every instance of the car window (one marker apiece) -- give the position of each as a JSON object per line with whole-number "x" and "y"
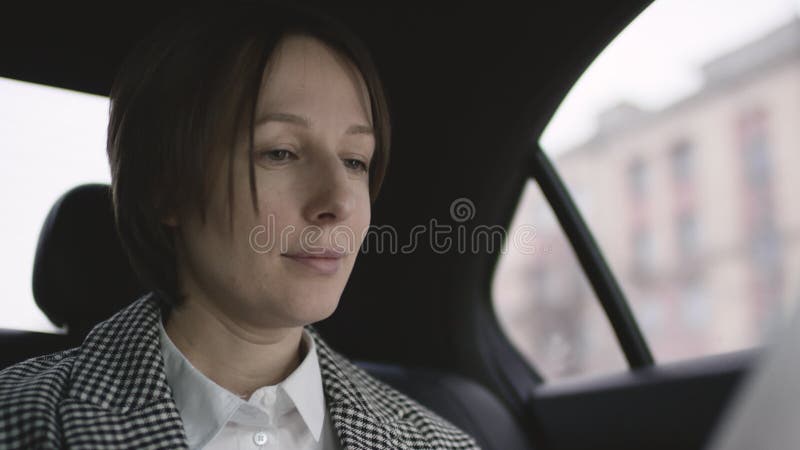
{"x": 544, "y": 301}
{"x": 679, "y": 144}
{"x": 51, "y": 140}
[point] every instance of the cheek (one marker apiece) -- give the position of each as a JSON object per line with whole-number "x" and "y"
{"x": 365, "y": 214}
{"x": 361, "y": 219}
{"x": 272, "y": 230}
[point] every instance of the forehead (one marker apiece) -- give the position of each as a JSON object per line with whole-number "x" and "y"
{"x": 303, "y": 73}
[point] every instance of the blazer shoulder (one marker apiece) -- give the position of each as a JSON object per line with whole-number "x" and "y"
{"x": 437, "y": 431}
{"x": 30, "y": 392}
{"x": 413, "y": 422}
{"x": 37, "y": 372}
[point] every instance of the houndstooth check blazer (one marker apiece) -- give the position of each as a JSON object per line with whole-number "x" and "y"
{"x": 112, "y": 393}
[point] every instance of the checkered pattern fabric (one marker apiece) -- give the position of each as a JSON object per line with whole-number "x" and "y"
{"x": 112, "y": 393}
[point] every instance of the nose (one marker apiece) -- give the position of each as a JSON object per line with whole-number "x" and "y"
{"x": 331, "y": 199}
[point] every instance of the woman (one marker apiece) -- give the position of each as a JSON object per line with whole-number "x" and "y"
{"x": 246, "y": 147}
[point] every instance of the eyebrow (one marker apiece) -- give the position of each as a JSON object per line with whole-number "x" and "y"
{"x": 304, "y": 122}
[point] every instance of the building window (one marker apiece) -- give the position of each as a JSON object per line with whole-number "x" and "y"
{"x": 756, "y": 157}
{"x": 643, "y": 252}
{"x": 695, "y": 306}
{"x": 688, "y": 234}
{"x": 766, "y": 251}
{"x": 681, "y": 162}
{"x": 638, "y": 178}
{"x": 755, "y": 150}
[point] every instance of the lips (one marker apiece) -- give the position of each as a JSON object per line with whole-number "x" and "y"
{"x": 324, "y": 262}
{"x": 321, "y": 253}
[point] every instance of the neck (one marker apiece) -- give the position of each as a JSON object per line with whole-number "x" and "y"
{"x": 237, "y": 357}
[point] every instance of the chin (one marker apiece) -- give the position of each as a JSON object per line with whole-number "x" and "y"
{"x": 303, "y": 312}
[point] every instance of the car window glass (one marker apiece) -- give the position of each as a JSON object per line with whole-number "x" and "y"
{"x": 543, "y": 300}
{"x": 679, "y": 143}
{"x": 51, "y": 140}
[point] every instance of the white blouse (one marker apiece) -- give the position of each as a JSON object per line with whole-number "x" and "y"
{"x": 289, "y": 415}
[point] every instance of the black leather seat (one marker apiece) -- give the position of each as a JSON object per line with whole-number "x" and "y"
{"x": 465, "y": 403}
{"x": 81, "y": 276}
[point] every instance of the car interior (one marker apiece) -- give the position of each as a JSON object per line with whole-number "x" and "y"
{"x": 471, "y": 87}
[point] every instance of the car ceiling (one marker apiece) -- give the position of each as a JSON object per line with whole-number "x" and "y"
{"x": 470, "y": 87}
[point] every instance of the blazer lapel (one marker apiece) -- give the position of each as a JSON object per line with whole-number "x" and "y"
{"x": 361, "y": 415}
{"x": 119, "y": 396}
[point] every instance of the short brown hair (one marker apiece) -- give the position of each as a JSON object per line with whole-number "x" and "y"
{"x": 190, "y": 89}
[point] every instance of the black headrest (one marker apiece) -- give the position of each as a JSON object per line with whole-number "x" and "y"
{"x": 81, "y": 274}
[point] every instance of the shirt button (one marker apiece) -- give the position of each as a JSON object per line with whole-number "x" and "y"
{"x": 260, "y": 438}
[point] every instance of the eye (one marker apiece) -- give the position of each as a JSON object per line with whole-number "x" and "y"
{"x": 356, "y": 164}
{"x": 277, "y": 155}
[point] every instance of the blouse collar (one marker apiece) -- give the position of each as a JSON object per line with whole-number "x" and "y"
{"x": 206, "y": 407}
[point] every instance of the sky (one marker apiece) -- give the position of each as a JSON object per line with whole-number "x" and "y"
{"x": 656, "y": 60}
{"x": 52, "y": 140}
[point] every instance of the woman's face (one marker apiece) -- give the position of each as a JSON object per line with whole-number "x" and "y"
{"x": 312, "y": 147}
